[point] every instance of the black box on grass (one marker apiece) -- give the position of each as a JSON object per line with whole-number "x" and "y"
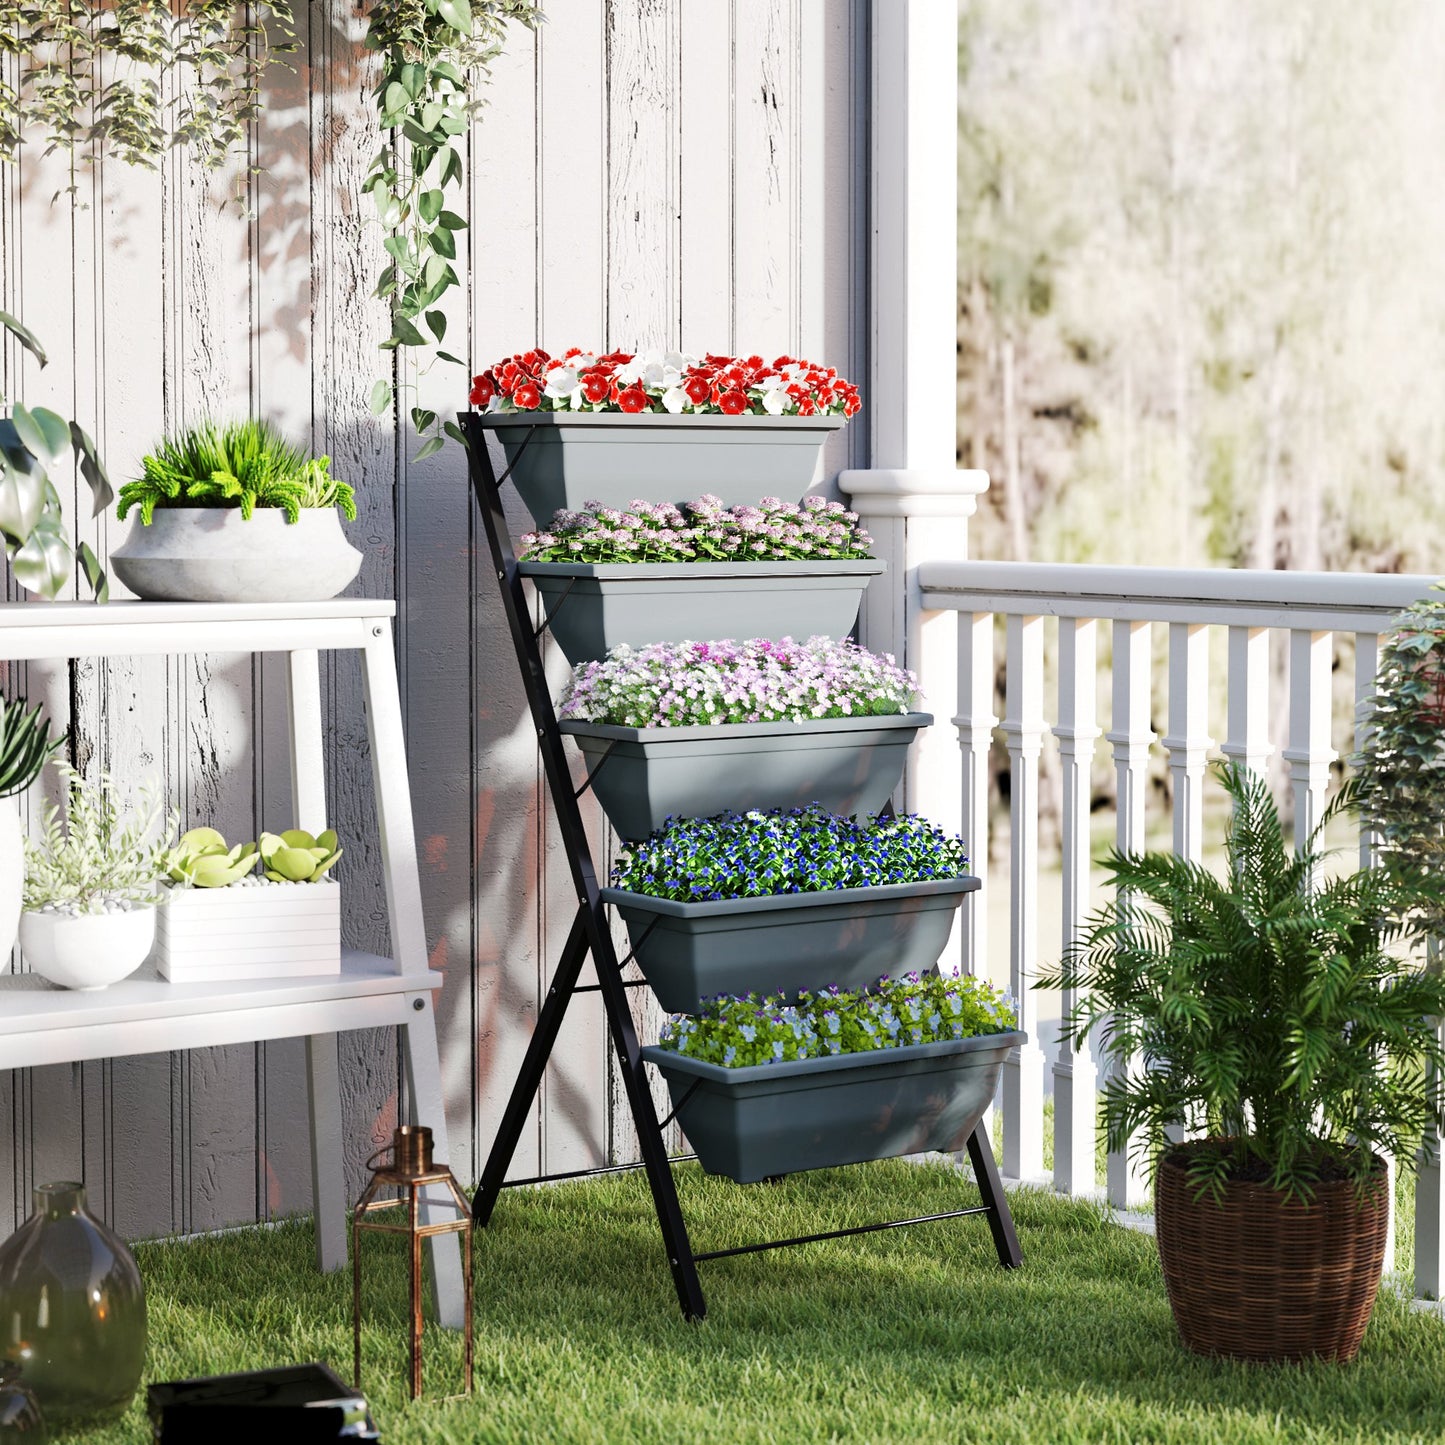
{"x": 298, "y": 1404}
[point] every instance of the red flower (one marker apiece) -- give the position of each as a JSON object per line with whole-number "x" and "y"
{"x": 483, "y": 389}
{"x": 595, "y": 386}
{"x": 527, "y": 396}
{"x": 697, "y": 389}
{"x": 733, "y": 403}
{"x": 807, "y": 407}
{"x": 632, "y": 398}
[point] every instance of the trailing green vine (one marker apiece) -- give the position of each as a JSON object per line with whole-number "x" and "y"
{"x": 430, "y": 52}
{"x": 91, "y": 75}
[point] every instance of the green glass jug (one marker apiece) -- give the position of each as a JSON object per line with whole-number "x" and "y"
{"x": 72, "y": 1308}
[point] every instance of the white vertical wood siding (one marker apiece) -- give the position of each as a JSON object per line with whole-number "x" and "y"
{"x": 646, "y": 172}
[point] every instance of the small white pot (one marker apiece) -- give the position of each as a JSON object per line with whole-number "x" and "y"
{"x": 12, "y": 874}
{"x": 282, "y": 930}
{"x": 89, "y": 952}
{"x": 214, "y": 554}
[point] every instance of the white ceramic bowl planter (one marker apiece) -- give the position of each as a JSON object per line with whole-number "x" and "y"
{"x": 215, "y": 554}
{"x": 88, "y": 950}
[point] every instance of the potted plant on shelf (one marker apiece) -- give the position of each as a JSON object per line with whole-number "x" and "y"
{"x": 220, "y": 920}
{"x": 1267, "y": 1010}
{"x": 25, "y": 747}
{"x": 689, "y": 729}
{"x": 664, "y": 424}
{"x": 90, "y": 884}
{"x": 785, "y": 900}
{"x": 773, "y": 1085}
{"x": 660, "y": 573}
{"x": 235, "y": 513}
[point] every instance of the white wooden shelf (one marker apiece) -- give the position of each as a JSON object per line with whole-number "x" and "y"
{"x": 40, "y": 1024}
{"x": 146, "y": 1014}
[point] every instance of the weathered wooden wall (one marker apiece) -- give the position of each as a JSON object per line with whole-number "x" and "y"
{"x": 647, "y": 172}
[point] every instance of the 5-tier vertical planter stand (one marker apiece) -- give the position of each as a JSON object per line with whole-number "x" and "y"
{"x": 591, "y": 932}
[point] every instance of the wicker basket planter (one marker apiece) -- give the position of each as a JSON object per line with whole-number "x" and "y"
{"x": 689, "y": 952}
{"x": 749, "y": 1124}
{"x": 643, "y": 776}
{"x": 593, "y": 608}
{"x": 612, "y": 457}
{"x": 1259, "y": 1278}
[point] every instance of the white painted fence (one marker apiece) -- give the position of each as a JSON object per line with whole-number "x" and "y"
{"x": 1075, "y": 609}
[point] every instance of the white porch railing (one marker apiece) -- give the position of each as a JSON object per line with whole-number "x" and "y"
{"x": 1312, "y": 609}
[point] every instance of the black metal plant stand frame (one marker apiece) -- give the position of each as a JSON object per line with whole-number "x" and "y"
{"x": 591, "y": 934}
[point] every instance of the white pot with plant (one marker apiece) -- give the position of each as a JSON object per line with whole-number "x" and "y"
{"x": 221, "y": 920}
{"x": 235, "y": 513}
{"x": 90, "y": 884}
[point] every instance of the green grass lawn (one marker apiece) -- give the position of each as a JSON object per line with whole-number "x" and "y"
{"x": 914, "y": 1335}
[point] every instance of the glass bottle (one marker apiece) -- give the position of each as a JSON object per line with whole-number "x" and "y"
{"x": 20, "y": 1418}
{"x": 72, "y": 1308}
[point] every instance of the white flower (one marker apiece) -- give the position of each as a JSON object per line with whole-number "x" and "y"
{"x": 775, "y": 401}
{"x": 675, "y": 399}
{"x": 562, "y": 385}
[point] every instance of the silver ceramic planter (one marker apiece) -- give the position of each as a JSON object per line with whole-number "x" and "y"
{"x": 595, "y": 607}
{"x": 691, "y": 952}
{"x": 771, "y": 1119}
{"x": 644, "y": 776}
{"x": 572, "y": 458}
{"x": 214, "y": 554}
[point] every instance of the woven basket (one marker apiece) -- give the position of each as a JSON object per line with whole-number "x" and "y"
{"x": 1261, "y": 1278}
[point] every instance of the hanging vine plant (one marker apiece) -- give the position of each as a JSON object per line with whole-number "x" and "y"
{"x": 432, "y": 51}
{"x": 91, "y": 75}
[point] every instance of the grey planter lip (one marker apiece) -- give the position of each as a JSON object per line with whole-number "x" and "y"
{"x": 698, "y": 732}
{"x": 502, "y": 420}
{"x": 672, "y": 571}
{"x": 666, "y": 1059}
{"x": 773, "y": 902}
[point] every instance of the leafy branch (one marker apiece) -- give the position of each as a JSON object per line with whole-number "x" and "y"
{"x": 431, "y": 50}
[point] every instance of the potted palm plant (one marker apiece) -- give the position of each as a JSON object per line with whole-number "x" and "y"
{"x": 770, "y": 1085}
{"x": 235, "y": 513}
{"x": 656, "y": 572}
{"x": 689, "y": 729}
{"x": 584, "y": 427}
{"x": 788, "y": 899}
{"x": 1267, "y": 1013}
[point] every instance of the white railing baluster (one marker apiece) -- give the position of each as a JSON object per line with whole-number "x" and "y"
{"x": 1075, "y": 1073}
{"x": 1248, "y": 741}
{"x": 1309, "y": 754}
{"x": 975, "y": 723}
{"x": 1023, "y": 729}
{"x": 1128, "y": 1184}
{"x": 1187, "y": 742}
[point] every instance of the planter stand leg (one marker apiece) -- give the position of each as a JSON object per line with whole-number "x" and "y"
{"x": 1000, "y": 1221}
{"x": 591, "y": 932}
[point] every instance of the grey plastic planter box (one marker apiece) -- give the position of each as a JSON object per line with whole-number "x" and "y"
{"x": 643, "y": 776}
{"x": 612, "y": 457}
{"x": 690, "y": 952}
{"x": 596, "y": 607}
{"x": 774, "y": 1119}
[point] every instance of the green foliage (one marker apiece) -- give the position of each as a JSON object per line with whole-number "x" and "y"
{"x": 25, "y": 746}
{"x": 245, "y": 464}
{"x": 202, "y": 860}
{"x": 431, "y": 50}
{"x": 1266, "y": 1008}
{"x": 100, "y": 848}
{"x": 795, "y": 850}
{"x": 297, "y": 856}
{"x": 136, "y": 78}
{"x": 739, "y": 1032}
{"x": 1402, "y": 765}
{"x": 32, "y": 524}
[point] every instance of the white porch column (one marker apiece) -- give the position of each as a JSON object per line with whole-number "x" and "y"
{"x": 913, "y": 499}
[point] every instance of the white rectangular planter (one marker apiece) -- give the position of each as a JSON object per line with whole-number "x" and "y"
{"x": 217, "y": 934}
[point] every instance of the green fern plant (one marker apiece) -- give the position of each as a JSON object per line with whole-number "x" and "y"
{"x": 245, "y": 464}
{"x": 100, "y": 848}
{"x": 1267, "y": 1006}
{"x": 25, "y": 746}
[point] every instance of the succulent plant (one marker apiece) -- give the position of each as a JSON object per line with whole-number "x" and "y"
{"x": 295, "y": 856}
{"x": 203, "y": 860}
